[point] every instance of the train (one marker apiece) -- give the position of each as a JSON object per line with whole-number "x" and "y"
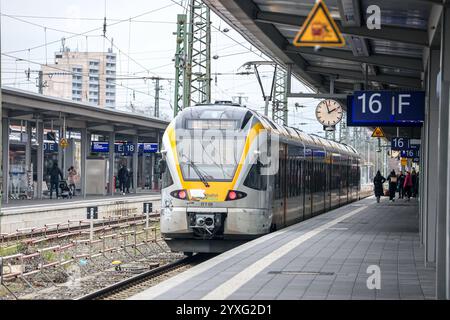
{"x": 230, "y": 174}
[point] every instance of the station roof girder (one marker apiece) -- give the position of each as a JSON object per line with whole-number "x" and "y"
{"x": 396, "y": 53}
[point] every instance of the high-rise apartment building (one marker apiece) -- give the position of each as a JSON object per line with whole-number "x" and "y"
{"x": 82, "y": 76}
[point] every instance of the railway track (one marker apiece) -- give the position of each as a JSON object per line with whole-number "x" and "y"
{"x": 131, "y": 286}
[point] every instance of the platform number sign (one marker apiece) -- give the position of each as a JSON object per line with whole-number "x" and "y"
{"x": 92, "y": 212}
{"x": 400, "y": 143}
{"x": 148, "y": 207}
{"x": 386, "y": 108}
{"x": 409, "y": 154}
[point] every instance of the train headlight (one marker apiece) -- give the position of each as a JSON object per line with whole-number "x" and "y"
{"x": 179, "y": 194}
{"x": 235, "y": 195}
{"x": 200, "y": 221}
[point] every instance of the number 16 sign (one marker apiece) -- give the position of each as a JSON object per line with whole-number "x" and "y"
{"x": 386, "y": 108}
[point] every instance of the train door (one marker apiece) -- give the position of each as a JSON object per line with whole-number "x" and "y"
{"x": 323, "y": 184}
{"x": 283, "y": 183}
{"x": 279, "y": 202}
{"x": 348, "y": 179}
{"x": 299, "y": 189}
{"x": 307, "y": 165}
{"x": 328, "y": 188}
{"x": 319, "y": 188}
{"x": 334, "y": 185}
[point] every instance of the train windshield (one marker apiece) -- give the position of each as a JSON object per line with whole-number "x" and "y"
{"x": 209, "y": 155}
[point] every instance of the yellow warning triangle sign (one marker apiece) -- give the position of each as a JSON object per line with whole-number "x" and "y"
{"x": 319, "y": 29}
{"x": 378, "y": 133}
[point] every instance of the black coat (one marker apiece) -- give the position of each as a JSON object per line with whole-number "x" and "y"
{"x": 123, "y": 175}
{"x": 378, "y": 185}
{"x": 55, "y": 173}
{"x": 392, "y": 184}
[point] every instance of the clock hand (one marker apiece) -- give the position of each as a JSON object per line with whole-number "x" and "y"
{"x": 332, "y": 110}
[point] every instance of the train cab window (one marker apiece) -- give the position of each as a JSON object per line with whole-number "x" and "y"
{"x": 167, "y": 180}
{"x": 247, "y": 117}
{"x": 255, "y": 180}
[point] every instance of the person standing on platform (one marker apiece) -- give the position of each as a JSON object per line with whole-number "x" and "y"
{"x": 401, "y": 190}
{"x": 392, "y": 185}
{"x": 414, "y": 182}
{"x": 55, "y": 173}
{"x": 378, "y": 185}
{"x": 407, "y": 185}
{"x": 71, "y": 179}
{"x": 123, "y": 178}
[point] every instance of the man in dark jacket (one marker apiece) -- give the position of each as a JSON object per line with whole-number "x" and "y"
{"x": 378, "y": 185}
{"x": 55, "y": 173}
{"x": 123, "y": 176}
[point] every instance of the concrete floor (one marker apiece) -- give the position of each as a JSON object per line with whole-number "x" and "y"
{"x": 326, "y": 257}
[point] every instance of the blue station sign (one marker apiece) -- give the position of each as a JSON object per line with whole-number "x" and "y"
{"x": 123, "y": 148}
{"x": 400, "y": 143}
{"x": 386, "y": 108}
{"x": 409, "y": 154}
{"x": 50, "y": 147}
{"x": 148, "y": 147}
{"x": 99, "y": 146}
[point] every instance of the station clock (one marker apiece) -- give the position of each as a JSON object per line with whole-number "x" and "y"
{"x": 329, "y": 112}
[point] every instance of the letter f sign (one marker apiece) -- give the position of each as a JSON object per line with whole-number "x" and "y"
{"x": 374, "y": 280}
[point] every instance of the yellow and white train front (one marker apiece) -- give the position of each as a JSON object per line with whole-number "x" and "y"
{"x": 213, "y": 195}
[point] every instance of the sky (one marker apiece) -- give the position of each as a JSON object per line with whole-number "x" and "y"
{"x": 143, "y": 34}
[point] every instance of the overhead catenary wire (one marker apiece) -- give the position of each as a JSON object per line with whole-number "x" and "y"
{"x": 92, "y": 30}
{"x": 75, "y": 73}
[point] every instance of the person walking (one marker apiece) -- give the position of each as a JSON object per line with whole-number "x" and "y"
{"x": 378, "y": 185}
{"x": 392, "y": 185}
{"x": 414, "y": 183}
{"x": 123, "y": 176}
{"x": 55, "y": 173}
{"x": 71, "y": 179}
{"x": 401, "y": 190}
{"x": 407, "y": 185}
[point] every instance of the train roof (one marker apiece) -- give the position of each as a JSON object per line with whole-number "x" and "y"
{"x": 228, "y": 110}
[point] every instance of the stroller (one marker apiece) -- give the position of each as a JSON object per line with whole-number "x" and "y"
{"x": 66, "y": 192}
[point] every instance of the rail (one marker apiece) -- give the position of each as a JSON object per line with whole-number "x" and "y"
{"x": 142, "y": 278}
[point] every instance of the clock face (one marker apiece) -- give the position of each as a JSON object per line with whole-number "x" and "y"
{"x": 329, "y": 112}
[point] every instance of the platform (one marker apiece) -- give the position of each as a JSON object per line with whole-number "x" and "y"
{"x": 325, "y": 257}
{"x": 19, "y": 214}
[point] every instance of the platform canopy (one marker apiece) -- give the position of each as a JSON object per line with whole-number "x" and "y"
{"x": 23, "y": 105}
{"x": 395, "y": 55}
